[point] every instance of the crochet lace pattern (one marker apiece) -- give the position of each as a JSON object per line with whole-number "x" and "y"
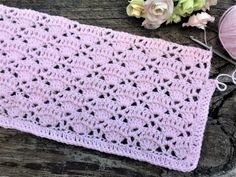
{"x": 111, "y": 91}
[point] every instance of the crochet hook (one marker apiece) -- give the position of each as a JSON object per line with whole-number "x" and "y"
{"x": 213, "y": 50}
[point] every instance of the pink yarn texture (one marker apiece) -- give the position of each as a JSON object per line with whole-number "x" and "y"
{"x": 111, "y": 91}
{"x": 227, "y": 31}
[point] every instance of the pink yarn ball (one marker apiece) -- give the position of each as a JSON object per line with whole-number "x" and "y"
{"x": 227, "y": 31}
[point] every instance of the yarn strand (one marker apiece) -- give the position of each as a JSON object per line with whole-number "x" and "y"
{"x": 221, "y": 86}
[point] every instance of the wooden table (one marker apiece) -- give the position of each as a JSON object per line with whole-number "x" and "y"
{"x": 22, "y": 154}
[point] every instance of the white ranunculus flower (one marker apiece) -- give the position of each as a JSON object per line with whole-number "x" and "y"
{"x": 157, "y": 12}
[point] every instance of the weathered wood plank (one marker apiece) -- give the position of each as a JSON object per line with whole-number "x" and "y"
{"x": 22, "y": 154}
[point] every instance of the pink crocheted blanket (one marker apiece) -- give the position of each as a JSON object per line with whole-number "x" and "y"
{"x": 114, "y": 92}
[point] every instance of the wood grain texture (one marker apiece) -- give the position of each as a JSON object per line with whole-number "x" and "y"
{"x": 23, "y": 154}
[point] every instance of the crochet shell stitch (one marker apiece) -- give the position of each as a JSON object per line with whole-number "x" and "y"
{"x": 111, "y": 91}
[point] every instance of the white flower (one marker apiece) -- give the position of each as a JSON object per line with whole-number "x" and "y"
{"x": 199, "y": 20}
{"x": 208, "y": 4}
{"x": 157, "y": 12}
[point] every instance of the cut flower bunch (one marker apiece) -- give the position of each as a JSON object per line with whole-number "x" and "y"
{"x": 157, "y": 12}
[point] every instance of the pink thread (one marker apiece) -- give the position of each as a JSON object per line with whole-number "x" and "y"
{"x": 115, "y": 92}
{"x": 227, "y": 31}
